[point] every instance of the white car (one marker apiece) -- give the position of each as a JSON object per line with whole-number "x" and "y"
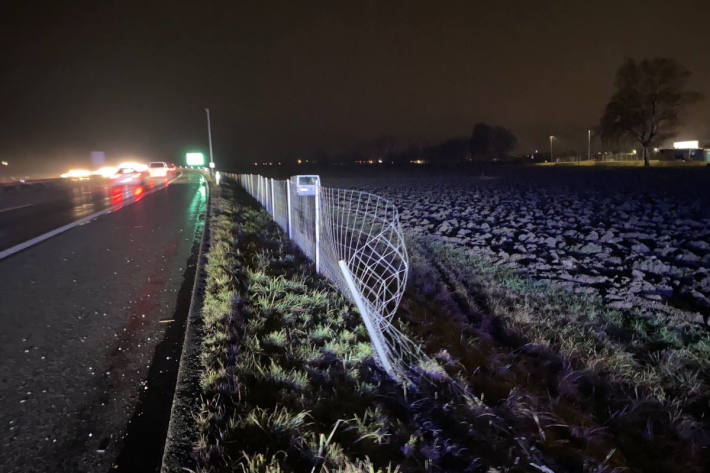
{"x": 158, "y": 169}
{"x": 129, "y": 176}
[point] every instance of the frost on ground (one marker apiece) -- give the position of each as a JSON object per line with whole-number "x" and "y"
{"x": 638, "y": 238}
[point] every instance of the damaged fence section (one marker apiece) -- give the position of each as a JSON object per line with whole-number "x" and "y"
{"x": 355, "y": 240}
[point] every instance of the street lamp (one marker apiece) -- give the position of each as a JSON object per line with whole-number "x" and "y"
{"x": 551, "y": 138}
{"x": 589, "y": 145}
{"x": 209, "y": 135}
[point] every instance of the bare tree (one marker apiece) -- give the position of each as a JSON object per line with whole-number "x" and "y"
{"x": 649, "y": 97}
{"x": 491, "y": 141}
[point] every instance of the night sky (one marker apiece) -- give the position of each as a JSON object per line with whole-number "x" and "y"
{"x": 132, "y": 78}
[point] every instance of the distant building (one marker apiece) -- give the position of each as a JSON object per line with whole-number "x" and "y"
{"x": 690, "y": 154}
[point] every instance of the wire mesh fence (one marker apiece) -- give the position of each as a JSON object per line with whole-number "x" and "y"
{"x": 356, "y": 241}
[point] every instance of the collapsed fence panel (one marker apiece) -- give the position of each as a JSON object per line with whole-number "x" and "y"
{"x": 356, "y": 241}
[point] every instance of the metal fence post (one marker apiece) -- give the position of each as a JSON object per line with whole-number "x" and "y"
{"x": 288, "y": 206}
{"x": 317, "y": 222}
{"x": 376, "y": 336}
{"x": 273, "y": 203}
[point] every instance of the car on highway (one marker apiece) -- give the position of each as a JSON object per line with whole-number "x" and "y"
{"x": 172, "y": 168}
{"x": 158, "y": 169}
{"x": 129, "y": 176}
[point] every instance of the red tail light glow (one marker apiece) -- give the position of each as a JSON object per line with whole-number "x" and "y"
{"x": 116, "y": 195}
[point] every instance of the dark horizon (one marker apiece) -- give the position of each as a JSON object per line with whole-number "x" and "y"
{"x": 132, "y": 79}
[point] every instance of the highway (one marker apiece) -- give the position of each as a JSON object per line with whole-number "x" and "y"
{"x": 92, "y": 324}
{"x": 27, "y": 211}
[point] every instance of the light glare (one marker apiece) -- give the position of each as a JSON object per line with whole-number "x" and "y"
{"x": 693, "y": 144}
{"x": 74, "y": 173}
{"x": 195, "y": 159}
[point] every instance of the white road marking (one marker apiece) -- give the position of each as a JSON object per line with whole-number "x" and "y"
{"x": 15, "y": 208}
{"x": 38, "y": 239}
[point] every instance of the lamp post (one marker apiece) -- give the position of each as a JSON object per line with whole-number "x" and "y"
{"x": 589, "y": 145}
{"x": 209, "y": 135}
{"x": 551, "y": 138}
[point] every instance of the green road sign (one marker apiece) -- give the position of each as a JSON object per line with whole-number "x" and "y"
{"x": 195, "y": 159}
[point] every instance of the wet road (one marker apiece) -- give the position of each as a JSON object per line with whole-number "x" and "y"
{"x": 82, "y": 317}
{"x": 29, "y": 211}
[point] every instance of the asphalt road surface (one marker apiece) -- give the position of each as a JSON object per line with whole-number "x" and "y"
{"x": 27, "y": 211}
{"x": 92, "y": 321}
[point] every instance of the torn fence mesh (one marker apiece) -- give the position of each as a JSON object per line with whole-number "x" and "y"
{"x": 363, "y": 231}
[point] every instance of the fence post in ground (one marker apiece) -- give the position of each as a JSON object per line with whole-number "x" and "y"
{"x": 317, "y": 222}
{"x": 288, "y": 206}
{"x": 376, "y": 337}
{"x": 273, "y": 203}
